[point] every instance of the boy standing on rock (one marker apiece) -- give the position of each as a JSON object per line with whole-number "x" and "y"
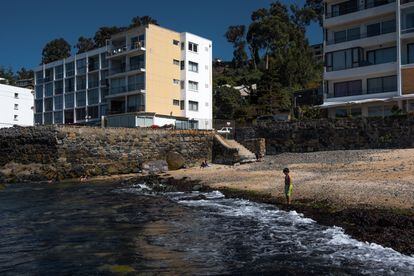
{"x": 288, "y": 185}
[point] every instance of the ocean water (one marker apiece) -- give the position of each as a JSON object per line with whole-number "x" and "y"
{"x": 100, "y": 229}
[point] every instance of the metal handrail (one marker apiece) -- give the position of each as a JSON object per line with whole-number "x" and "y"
{"x": 357, "y": 8}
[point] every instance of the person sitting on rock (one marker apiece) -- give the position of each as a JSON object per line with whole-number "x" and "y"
{"x": 204, "y": 164}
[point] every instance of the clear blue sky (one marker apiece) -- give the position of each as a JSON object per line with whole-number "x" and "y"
{"x": 26, "y": 26}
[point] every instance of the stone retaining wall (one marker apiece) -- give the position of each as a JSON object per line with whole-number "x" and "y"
{"x": 68, "y": 152}
{"x": 329, "y": 134}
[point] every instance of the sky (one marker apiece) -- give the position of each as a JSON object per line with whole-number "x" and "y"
{"x": 27, "y": 25}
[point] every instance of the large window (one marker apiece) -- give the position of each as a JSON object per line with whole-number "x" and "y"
{"x": 58, "y": 102}
{"x": 58, "y": 117}
{"x": 136, "y": 82}
{"x": 348, "y": 88}
{"x": 59, "y": 87}
{"x": 382, "y": 84}
{"x": 39, "y": 106}
{"x": 39, "y": 91}
{"x": 80, "y": 114}
{"x": 70, "y": 69}
{"x": 81, "y": 98}
{"x": 69, "y": 100}
{"x": 39, "y": 77}
{"x": 81, "y": 66}
{"x": 117, "y": 86}
{"x": 375, "y": 111}
{"x": 93, "y": 96}
{"x": 49, "y": 89}
{"x": 135, "y": 103}
{"x": 93, "y": 80}
{"x": 49, "y": 104}
{"x": 347, "y": 35}
{"x": 344, "y": 8}
{"x": 345, "y": 59}
{"x": 69, "y": 85}
{"x": 193, "y": 66}
{"x": 193, "y": 106}
{"x": 380, "y": 56}
{"x": 59, "y": 72}
{"x": 93, "y": 112}
{"x": 104, "y": 61}
{"x": 48, "y": 118}
{"x": 69, "y": 117}
{"x": 410, "y": 53}
{"x": 80, "y": 83}
{"x": 137, "y": 62}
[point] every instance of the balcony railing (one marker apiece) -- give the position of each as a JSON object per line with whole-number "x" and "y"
{"x": 123, "y": 69}
{"x": 356, "y": 8}
{"x": 93, "y": 84}
{"x": 137, "y": 108}
{"x": 125, "y": 48}
{"x": 136, "y": 86}
{"x": 129, "y": 88}
{"x": 363, "y": 63}
{"x": 406, "y": 1}
{"x": 93, "y": 66}
{"x": 407, "y": 30}
{"x": 356, "y": 37}
{"x": 359, "y": 93}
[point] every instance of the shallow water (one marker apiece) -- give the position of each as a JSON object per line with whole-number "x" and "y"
{"x": 95, "y": 229}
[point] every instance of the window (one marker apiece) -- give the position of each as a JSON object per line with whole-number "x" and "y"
{"x": 341, "y": 113}
{"x": 39, "y": 77}
{"x": 136, "y": 82}
{"x": 93, "y": 96}
{"x": 373, "y": 29}
{"x": 69, "y": 117}
{"x": 70, "y": 69}
{"x": 340, "y": 36}
{"x": 344, "y": 8}
{"x": 380, "y": 56}
{"x": 38, "y": 119}
{"x": 176, "y": 42}
{"x": 58, "y": 102}
{"x": 193, "y": 85}
{"x": 182, "y": 46}
{"x": 410, "y": 53}
{"x": 69, "y": 85}
{"x": 193, "y": 106}
{"x": 16, "y": 95}
{"x": 39, "y": 91}
{"x": 344, "y": 59}
{"x": 93, "y": 112}
{"x": 81, "y": 66}
{"x": 137, "y": 62}
{"x": 39, "y": 106}
{"x": 49, "y": 104}
{"x": 49, "y": 89}
{"x": 48, "y": 74}
{"x": 175, "y": 81}
{"x": 182, "y": 84}
{"x": 136, "y": 103}
{"x": 70, "y": 100}
{"x": 182, "y": 65}
{"x": 80, "y": 114}
{"x": 176, "y": 102}
{"x": 59, "y": 87}
{"x": 192, "y": 47}
{"x": 388, "y": 26}
{"x": 176, "y": 62}
{"x": 356, "y": 112}
{"x": 193, "y": 66}
{"x": 119, "y": 85}
{"x": 59, "y": 72}
{"x": 16, "y": 117}
{"x": 382, "y": 84}
{"x": 93, "y": 80}
{"x": 104, "y": 110}
{"x": 16, "y": 106}
{"x": 58, "y": 116}
{"x": 48, "y": 118}
{"x": 81, "y": 98}
{"x": 348, "y": 88}
{"x": 182, "y": 105}
{"x": 104, "y": 61}
{"x": 80, "y": 83}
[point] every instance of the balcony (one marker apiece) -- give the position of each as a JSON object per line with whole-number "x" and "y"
{"x": 132, "y": 68}
{"x": 359, "y": 12}
{"x": 126, "y": 90}
{"x": 363, "y": 69}
{"x": 114, "y": 51}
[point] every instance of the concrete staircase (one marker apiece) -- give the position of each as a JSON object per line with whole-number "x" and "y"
{"x": 244, "y": 155}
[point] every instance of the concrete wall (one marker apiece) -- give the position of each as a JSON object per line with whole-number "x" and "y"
{"x": 68, "y": 152}
{"x": 326, "y": 134}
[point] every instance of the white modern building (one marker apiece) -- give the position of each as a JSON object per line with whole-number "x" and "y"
{"x": 16, "y": 106}
{"x": 145, "y": 76}
{"x": 369, "y": 57}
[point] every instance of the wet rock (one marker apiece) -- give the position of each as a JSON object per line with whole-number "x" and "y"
{"x": 197, "y": 197}
{"x": 197, "y": 187}
{"x": 175, "y": 160}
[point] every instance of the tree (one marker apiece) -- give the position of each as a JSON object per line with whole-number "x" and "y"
{"x": 85, "y": 44}
{"x": 227, "y": 101}
{"x": 24, "y": 74}
{"x": 138, "y": 21}
{"x": 55, "y": 50}
{"x": 7, "y": 74}
{"x": 235, "y": 35}
{"x": 105, "y": 33}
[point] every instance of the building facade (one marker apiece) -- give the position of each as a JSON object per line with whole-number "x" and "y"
{"x": 144, "y": 76}
{"x": 16, "y": 106}
{"x": 369, "y": 57}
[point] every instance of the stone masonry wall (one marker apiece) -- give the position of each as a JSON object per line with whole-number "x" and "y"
{"x": 68, "y": 152}
{"x": 329, "y": 134}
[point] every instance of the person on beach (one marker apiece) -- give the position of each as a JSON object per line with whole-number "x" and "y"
{"x": 288, "y": 186}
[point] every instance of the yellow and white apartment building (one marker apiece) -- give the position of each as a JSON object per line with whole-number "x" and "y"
{"x": 369, "y": 57}
{"x": 144, "y": 76}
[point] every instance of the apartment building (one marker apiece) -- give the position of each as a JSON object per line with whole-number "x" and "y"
{"x": 369, "y": 57}
{"x": 16, "y": 106}
{"x": 144, "y": 76}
